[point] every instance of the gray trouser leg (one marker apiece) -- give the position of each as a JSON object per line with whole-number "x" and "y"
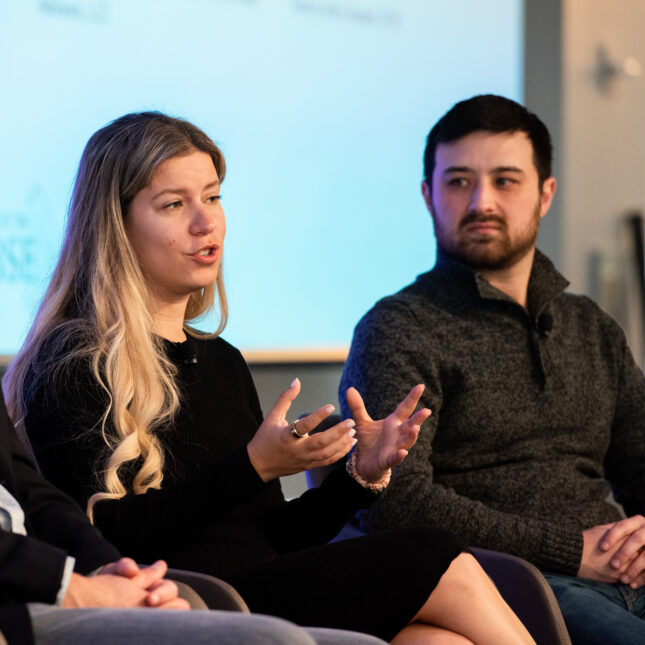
{"x": 54, "y": 626}
{"x": 324, "y": 636}
{"x": 162, "y": 627}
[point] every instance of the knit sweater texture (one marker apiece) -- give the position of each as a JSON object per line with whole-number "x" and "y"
{"x": 534, "y": 411}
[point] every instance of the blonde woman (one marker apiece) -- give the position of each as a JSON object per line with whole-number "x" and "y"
{"x": 156, "y": 429}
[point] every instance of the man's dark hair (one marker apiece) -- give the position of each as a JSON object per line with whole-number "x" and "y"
{"x": 490, "y": 113}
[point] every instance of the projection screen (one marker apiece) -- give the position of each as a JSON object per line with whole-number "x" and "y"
{"x": 321, "y": 108}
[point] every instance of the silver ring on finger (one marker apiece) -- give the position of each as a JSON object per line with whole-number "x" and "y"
{"x": 294, "y": 431}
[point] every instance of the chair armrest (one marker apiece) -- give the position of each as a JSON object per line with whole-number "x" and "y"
{"x": 529, "y": 595}
{"x": 216, "y": 593}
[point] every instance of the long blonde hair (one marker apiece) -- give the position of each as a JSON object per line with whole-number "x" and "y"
{"x": 98, "y": 302}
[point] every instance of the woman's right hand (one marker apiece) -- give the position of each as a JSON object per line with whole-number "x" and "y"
{"x": 275, "y": 452}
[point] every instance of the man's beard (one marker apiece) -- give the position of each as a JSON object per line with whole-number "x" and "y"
{"x": 489, "y": 253}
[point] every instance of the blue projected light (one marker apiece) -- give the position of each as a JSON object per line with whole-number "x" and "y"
{"x": 321, "y": 108}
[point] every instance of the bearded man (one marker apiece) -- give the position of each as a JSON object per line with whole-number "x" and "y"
{"x": 538, "y": 405}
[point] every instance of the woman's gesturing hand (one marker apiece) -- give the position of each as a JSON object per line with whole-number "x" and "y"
{"x": 385, "y": 443}
{"x": 275, "y": 452}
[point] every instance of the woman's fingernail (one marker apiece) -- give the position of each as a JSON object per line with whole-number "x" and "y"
{"x": 354, "y": 442}
{"x": 329, "y": 408}
{"x": 294, "y": 382}
{"x": 352, "y": 432}
{"x": 350, "y": 423}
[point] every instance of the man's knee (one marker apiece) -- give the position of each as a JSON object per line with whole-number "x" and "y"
{"x": 595, "y": 613}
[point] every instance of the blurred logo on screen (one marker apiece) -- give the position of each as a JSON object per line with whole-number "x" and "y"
{"x": 29, "y": 241}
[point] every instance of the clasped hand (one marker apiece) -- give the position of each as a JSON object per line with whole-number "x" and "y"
{"x": 615, "y": 552}
{"x": 275, "y": 452}
{"x": 124, "y": 584}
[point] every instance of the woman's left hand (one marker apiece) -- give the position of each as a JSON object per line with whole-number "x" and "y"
{"x": 385, "y": 443}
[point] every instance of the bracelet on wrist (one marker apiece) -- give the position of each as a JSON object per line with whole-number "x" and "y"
{"x": 375, "y": 487}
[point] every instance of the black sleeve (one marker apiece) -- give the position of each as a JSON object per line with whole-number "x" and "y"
{"x": 31, "y": 567}
{"x": 318, "y": 514}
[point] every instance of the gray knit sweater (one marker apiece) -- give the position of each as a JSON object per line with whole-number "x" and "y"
{"x": 533, "y": 414}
